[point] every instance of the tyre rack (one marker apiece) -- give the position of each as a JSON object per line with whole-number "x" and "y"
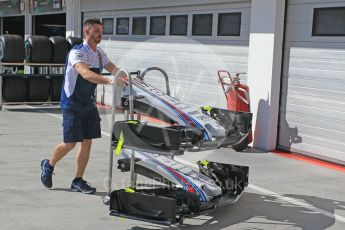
{"x": 47, "y": 70}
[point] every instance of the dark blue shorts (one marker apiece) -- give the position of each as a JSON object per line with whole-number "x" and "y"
{"x": 78, "y": 126}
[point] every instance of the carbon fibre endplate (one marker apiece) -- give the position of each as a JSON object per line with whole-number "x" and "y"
{"x": 231, "y": 178}
{"x": 159, "y": 204}
{"x": 237, "y": 124}
{"x": 149, "y": 138}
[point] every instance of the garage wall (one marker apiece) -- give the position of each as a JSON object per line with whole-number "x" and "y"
{"x": 110, "y": 5}
{"x": 190, "y": 61}
{"x": 312, "y": 113}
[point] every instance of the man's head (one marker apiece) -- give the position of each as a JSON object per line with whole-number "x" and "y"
{"x": 93, "y": 30}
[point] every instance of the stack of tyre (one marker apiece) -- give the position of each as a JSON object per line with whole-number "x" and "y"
{"x": 35, "y": 49}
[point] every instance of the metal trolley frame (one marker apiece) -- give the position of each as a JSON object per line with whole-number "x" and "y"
{"x": 129, "y": 115}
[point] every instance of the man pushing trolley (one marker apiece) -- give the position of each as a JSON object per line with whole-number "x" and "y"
{"x": 81, "y": 121}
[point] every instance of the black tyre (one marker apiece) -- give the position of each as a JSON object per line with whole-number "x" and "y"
{"x": 56, "y": 86}
{"x": 14, "y": 89}
{"x": 239, "y": 147}
{"x": 38, "y": 49}
{"x": 73, "y": 41}
{"x": 11, "y": 48}
{"x": 60, "y": 49}
{"x": 39, "y": 89}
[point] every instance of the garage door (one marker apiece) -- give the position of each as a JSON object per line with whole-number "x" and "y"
{"x": 190, "y": 42}
{"x": 312, "y": 113}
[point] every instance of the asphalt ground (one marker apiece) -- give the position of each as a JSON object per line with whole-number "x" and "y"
{"x": 284, "y": 193}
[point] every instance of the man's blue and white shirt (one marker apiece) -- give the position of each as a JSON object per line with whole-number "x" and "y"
{"x": 77, "y": 94}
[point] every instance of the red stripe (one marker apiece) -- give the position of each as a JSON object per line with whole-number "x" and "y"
{"x": 155, "y": 120}
{"x": 184, "y": 181}
{"x": 311, "y": 160}
{"x": 191, "y": 123}
{"x": 151, "y": 119}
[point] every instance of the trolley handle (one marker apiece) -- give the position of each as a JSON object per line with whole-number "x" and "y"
{"x": 119, "y": 73}
{"x": 160, "y": 70}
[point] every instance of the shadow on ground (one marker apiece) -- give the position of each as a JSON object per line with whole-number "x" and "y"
{"x": 101, "y": 194}
{"x": 36, "y": 110}
{"x": 255, "y": 211}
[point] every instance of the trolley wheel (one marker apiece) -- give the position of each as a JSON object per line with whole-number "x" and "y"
{"x": 180, "y": 219}
{"x": 106, "y": 199}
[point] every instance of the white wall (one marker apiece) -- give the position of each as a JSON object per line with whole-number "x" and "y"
{"x": 73, "y": 18}
{"x": 264, "y": 68}
{"x": 191, "y": 61}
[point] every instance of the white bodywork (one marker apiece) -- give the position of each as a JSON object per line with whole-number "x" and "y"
{"x": 178, "y": 111}
{"x": 169, "y": 169}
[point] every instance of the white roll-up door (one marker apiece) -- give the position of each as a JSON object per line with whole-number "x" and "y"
{"x": 312, "y": 113}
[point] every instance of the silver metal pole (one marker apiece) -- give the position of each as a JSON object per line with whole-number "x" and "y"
{"x": 102, "y": 96}
{"x": 113, "y": 109}
{"x": 131, "y": 117}
{"x": 131, "y": 97}
{"x": 112, "y": 121}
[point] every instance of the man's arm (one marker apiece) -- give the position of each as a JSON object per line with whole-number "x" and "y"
{"x": 93, "y": 77}
{"x": 112, "y": 68}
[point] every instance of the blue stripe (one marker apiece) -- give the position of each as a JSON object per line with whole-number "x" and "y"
{"x": 196, "y": 188}
{"x": 162, "y": 166}
{"x": 207, "y": 137}
{"x": 200, "y": 126}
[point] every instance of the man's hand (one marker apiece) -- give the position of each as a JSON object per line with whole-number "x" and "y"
{"x": 122, "y": 81}
{"x": 110, "y": 81}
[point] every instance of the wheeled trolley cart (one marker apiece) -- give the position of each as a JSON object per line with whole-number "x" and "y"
{"x": 149, "y": 150}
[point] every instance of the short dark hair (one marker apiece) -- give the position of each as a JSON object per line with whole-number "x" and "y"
{"x": 92, "y": 21}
